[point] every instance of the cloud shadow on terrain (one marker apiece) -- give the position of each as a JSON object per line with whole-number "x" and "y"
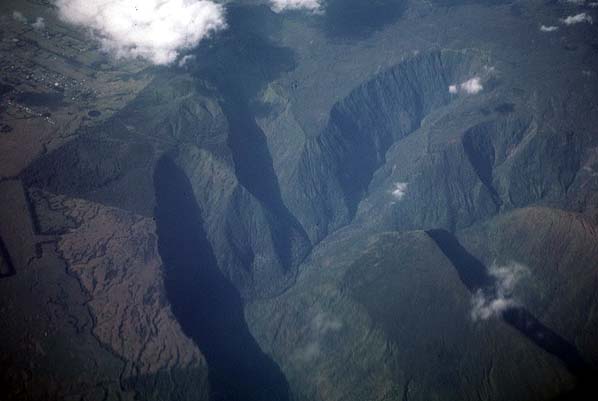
{"x": 473, "y": 273}
{"x": 240, "y": 67}
{"x": 6, "y": 267}
{"x": 356, "y": 19}
{"x": 207, "y": 306}
{"x": 453, "y": 3}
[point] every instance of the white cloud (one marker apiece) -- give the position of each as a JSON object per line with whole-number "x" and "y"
{"x": 506, "y": 278}
{"x": 156, "y": 30}
{"x": 283, "y": 5}
{"x": 548, "y": 28}
{"x": 484, "y": 308}
{"x": 472, "y": 86}
{"x": 399, "y": 191}
{"x": 39, "y": 24}
{"x": 18, "y": 16}
{"x": 576, "y": 19}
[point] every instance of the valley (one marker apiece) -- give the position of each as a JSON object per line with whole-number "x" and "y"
{"x": 397, "y": 206}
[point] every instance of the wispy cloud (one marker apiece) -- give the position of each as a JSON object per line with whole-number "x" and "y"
{"x": 308, "y": 353}
{"x": 324, "y": 323}
{"x": 549, "y": 28}
{"x": 577, "y": 19}
{"x": 18, "y": 16}
{"x": 321, "y": 325}
{"x": 486, "y": 306}
{"x": 399, "y": 190}
{"x": 284, "y": 5}
{"x": 186, "y": 59}
{"x": 156, "y": 30}
{"x": 39, "y": 24}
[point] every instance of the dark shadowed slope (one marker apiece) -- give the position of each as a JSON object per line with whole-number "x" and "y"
{"x": 206, "y": 305}
{"x": 6, "y": 266}
{"x": 357, "y": 19}
{"x": 474, "y": 276}
{"x": 239, "y": 79}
